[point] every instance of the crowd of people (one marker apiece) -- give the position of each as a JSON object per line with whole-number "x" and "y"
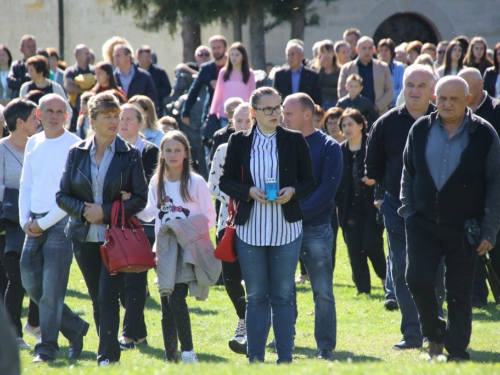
{"x": 362, "y": 137}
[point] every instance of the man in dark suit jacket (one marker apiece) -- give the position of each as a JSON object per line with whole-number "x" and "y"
{"x": 296, "y": 77}
{"x": 209, "y": 72}
{"x": 132, "y": 79}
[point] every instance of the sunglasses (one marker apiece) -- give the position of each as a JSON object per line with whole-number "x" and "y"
{"x": 203, "y": 54}
{"x": 441, "y": 52}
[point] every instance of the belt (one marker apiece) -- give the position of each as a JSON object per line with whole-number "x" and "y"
{"x": 37, "y": 216}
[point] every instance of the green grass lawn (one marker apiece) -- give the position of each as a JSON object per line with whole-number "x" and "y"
{"x": 366, "y": 332}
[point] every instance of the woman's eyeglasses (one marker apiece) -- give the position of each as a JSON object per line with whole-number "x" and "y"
{"x": 268, "y": 111}
{"x": 203, "y": 54}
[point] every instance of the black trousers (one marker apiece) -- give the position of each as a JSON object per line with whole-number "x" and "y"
{"x": 427, "y": 243}
{"x": 133, "y": 298}
{"x": 175, "y": 321}
{"x": 232, "y": 277}
{"x": 364, "y": 240}
{"x": 104, "y": 291}
{"x": 480, "y": 293}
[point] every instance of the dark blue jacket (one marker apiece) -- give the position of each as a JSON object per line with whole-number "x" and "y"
{"x": 142, "y": 84}
{"x": 161, "y": 81}
{"x": 208, "y": 73}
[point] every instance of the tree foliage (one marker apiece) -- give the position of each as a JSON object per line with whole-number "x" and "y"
{"x": 152, "y": 15}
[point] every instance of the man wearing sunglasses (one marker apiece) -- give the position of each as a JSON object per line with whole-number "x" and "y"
{"x": 440, "y": 53}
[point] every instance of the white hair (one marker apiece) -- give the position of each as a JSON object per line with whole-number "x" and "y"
{"x": 231, "y": 101}
{"x": 296, "y": 45}
{"x": 470, "y": 71}
{"x": 419, "y": 68}
{"x": 315, "y": 48}
{"x": 453, "y": 79}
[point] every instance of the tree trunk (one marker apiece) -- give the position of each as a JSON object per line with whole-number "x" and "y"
{"x": 237, "y": 23}
{"x": 298, "y": 21}
{"x": 191, "y": 38}
{"x": 257, "y": 36}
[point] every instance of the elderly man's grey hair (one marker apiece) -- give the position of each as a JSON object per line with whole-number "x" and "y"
{"x": 232, "y": 102}
{"x": 419, "y": 68}
{"x": 452, "y": 79}
{"x": 364, "y": 39}
{"x": 49, "y": 97}
{"x": 296, "y": 45}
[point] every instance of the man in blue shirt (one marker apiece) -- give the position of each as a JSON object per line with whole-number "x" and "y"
{"x": 317, "y": 208}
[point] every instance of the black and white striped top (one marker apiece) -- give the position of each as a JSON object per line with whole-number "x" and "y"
{"x": 267, "y": 225}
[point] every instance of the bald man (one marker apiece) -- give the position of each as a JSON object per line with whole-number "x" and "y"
{"x": 451, "y": 175}
{"x": 377, "y": 77}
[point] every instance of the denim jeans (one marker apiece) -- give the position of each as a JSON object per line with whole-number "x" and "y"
{"x": 316, "y": 253}
{"x": 45, "y": 264}
{"x": 396, "y": 238}
{"x": 389, "y": 287}
{"x": 269, "y": 273}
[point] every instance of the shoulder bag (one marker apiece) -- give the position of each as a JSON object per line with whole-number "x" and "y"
{"x": 127, "y": 247}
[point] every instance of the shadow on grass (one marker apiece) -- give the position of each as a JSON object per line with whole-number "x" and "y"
{"x": 77, "y": 294}
{"x": 160, "y": 354}
{"x": 200, "y": 311}
{"x": 152, "y": 303}
{"x": 338, "y": 355}
{"x": 481, "y": 356}
{"x": 490, "y": 313}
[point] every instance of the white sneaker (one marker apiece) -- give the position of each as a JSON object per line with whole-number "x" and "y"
{"x": 238, "y": 343}
{"x": 189, "y": 357}
{"x": 106, "y": 362}
{"x": 33, "y": 331}
{"x": 21, "y": 344}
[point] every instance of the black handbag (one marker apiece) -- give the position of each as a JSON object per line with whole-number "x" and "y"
{"x": 208, "y": 129}
{"x": 10, "y": 205}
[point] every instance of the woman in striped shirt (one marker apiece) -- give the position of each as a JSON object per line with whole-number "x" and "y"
{"x": 268, "y": 232}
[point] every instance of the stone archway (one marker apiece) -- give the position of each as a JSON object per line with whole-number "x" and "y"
{"x": 406, "y": 27}
{"x": 428, "y": 10}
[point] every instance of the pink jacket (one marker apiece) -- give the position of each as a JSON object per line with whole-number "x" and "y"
{"x": 233, "y": 87}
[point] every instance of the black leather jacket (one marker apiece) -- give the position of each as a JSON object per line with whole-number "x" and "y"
{"x": 124, "y": 173}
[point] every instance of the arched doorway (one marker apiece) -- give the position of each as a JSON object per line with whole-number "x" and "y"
{"x": 406, "y": 27}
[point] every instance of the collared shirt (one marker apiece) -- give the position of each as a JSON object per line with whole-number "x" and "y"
{"x": 366, "y": 72}
{"x": 296, "y": 79}
{"x": 267, "y": 225}
{"x": 139, "y": 144}
{"x": 97, "y": 232}
{"x": 126, "y": 79}
{"x": 443, "y": 152}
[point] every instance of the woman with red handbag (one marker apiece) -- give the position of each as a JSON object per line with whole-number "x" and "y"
{"x": 231, "y": 271}
{"x": 177, "y": 193}
{"x": 268, "y": 169}
{"x": 97, "y": 170}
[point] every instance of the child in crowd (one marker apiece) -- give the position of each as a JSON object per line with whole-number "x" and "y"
{"x": 318, "y": 117}
{"x": 177, "y": 193}
{"x": 82, "y": 125}
{"x": 354, "y": 99}
{"x": 167, "y": 124}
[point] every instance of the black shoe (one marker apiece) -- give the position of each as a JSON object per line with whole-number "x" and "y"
{"x": 238, "y": 346}
{"x": 42, "y": 358}
{"x": 404, "y": 345}
{"x": 325, "y": 354}
{"x": 479, "y": 304}
{"x": 76, "y": 347}
{"x": 391, "y": 305}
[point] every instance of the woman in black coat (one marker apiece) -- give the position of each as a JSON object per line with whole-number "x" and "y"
{"x": 491, "y": 83}
{"x": 357, "y": 213}
{"x": 96, "y": 172}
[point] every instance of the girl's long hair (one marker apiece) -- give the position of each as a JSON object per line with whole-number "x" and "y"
{"x": 108, "y": 68}
{"x": 470, "y": 60}
{"x": 447, "y": 59}
{"x": 245, "y": 65}
{"x": 162, "y": 167}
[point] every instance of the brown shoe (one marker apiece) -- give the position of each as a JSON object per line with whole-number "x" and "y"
{"x": 457, "y": 360}
{"x": 435, "y": 349}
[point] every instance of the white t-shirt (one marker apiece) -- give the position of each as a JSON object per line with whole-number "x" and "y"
{"x": 174, "y": 207}
{"x": 44, "y": 161}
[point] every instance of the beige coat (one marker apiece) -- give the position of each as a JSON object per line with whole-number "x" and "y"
{"x": 382, "y": 82}
{"x": 185, "y": 254}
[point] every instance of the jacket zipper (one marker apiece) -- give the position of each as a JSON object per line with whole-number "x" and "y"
{"x": 88, "y": 229}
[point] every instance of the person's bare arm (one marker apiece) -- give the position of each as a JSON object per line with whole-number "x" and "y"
{"x": 71, "y": 87}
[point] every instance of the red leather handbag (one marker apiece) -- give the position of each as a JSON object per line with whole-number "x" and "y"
{"x": 127, "y": 247}
{"x": 225, "y": 249}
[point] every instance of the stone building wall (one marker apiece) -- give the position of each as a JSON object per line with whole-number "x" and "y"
{"x": 93, "y": 21}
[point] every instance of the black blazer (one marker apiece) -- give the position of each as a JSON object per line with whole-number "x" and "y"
{"x": 295, "y": 170}
{"x": 124, "y": 173}
{"x": 149, "y": 159}
{"x": 490, "y": 80}
{"x": 342, "y": 197}
{"x": 141, "y": 84}
{"x": 308, "y": 84}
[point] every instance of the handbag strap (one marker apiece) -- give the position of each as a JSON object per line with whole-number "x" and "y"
{"x": 12, "y": 152}
{"x": 118, "y": 209}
